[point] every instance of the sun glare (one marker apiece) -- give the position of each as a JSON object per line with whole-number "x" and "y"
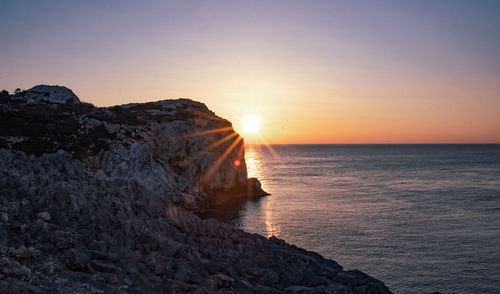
{"x": 251, "y": 124}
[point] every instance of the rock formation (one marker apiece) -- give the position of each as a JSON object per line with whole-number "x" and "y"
{"x": 50, "y": 94}
{"x": 104, "y": 200}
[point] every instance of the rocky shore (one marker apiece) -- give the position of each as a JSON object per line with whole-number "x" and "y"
{"x": 107, "y": 200}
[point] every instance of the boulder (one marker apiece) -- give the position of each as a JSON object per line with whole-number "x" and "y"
{"x": 48, "y": 94}
{"x": 255, "y": 188}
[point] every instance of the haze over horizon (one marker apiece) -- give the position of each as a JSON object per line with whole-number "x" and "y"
{"x": 313, "y": 72}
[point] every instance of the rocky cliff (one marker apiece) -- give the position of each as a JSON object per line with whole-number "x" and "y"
{"x": 103, "y": 200}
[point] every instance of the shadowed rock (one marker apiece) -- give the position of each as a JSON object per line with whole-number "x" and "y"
{"x": 255, "y": 188}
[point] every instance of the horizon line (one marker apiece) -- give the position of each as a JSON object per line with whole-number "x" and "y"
{"x": 464, "y": 143}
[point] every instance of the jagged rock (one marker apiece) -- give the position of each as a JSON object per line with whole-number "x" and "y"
{"x": 76, "y": 259}
{"x": 63, "y": 239}
{"x": 223, "y": 281}
{"x": 188, "y": 202}
{"x": 12, "y": 268}
{"x": 23, "y": 252}
{"x": 4, "y": 215}
{"x": 3, "y": 235}
{"x": 48, "y": 267}
{"x": 98, "y": 254}
{"x": 303, "y": 290}
{"x": 44, "y": 216}
{"x": 103, "y": 200}
{"x": 104, "y": 267}
{"x": 98, "y": 246}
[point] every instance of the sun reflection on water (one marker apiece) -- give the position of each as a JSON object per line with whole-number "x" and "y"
{"x": 254, "y": 164}
{"x": 256, "y": 168}
{"x": 272, "y": 228}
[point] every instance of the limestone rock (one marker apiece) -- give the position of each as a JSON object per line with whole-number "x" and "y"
{"x": 48, "y": 94}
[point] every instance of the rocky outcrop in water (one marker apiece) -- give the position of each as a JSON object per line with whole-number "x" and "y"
{"x": 104, "y": 200}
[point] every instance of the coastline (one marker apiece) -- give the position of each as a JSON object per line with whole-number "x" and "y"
{"x": 103, "y": 200}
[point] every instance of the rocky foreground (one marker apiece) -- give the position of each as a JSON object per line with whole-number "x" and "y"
{"x": 105, "y": 200}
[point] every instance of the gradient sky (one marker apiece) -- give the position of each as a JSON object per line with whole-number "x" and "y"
{"x": 315, "y": 71}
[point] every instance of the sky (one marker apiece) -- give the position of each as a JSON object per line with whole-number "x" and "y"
{"x": 312, "y": 71}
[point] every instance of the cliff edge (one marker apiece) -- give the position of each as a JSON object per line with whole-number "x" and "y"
{"x": 104, "y": 200}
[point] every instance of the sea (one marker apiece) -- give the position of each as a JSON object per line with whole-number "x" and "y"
{"x": 421, "y": 218}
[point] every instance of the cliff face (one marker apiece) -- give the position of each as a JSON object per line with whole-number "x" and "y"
{"x": 176, "y": 147}
{"x": 98, "y": 200}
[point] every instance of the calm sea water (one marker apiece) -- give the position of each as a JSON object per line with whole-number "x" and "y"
{"x": 421, "y": 218}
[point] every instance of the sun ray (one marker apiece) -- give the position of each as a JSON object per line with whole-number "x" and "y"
{"x": 260, "y": 147}
{"x": 211, "y": 146}
{"x": 216, "y": 165}
{"x": 269, "y": 147}
{"x": 212, "y": 131}
{"x": 217, "y": 143}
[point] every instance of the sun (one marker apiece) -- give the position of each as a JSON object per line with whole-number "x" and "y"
{"x": 251, "y": 124}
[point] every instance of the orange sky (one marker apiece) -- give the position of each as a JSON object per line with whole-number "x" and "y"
{"x": 321, "y": 72}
